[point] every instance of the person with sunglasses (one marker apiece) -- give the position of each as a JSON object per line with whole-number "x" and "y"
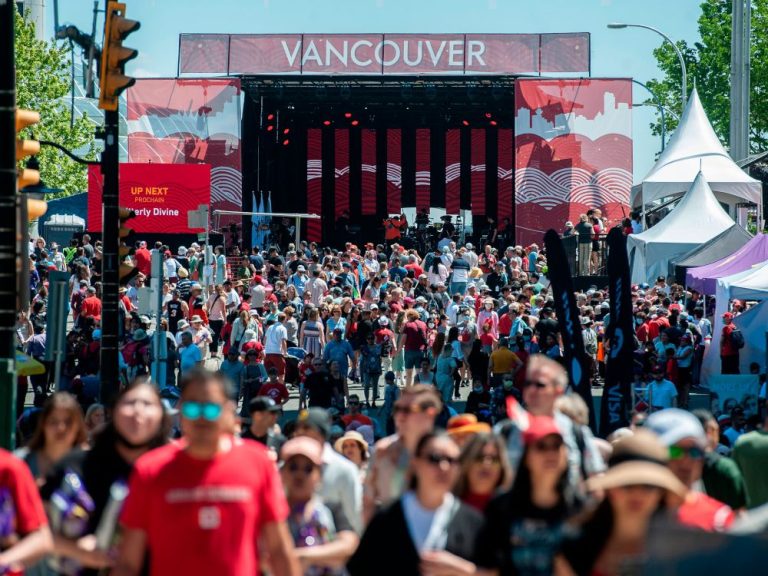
{"x": 483, "y": 470}
{"x": 524, "y": 527}
{"x": 431, "y": 530}
{"x": 323, "y": 537}
{"x": 414, "y": 415}
{"x": 212, "y": 489}
{"x": 683, "y": 435}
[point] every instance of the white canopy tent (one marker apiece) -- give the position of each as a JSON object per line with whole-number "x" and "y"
{"x": 751, "y": 284}
{"x": 694, "y": 148}
{"x": 753, "y": 324}
{"x": 696, "y": 219}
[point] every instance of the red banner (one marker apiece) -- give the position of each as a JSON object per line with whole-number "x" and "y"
{"x": 477, "y": 169}
{"x": 423, "y": 166}
{"x": 505, "y": 172}
{"x": 573, "y": 151}
{"x": 452, "y": 171}
{"x": 384, "y": 54}
{"x": 394, "y": 170}
{"x": 160, "y": 194}
{"x": 314, "y": 182}
{"x": 368, "y": 168}
{"x": 341, "y": 172}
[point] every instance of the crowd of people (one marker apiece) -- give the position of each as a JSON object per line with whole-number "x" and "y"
{"x": 435, "y": 433}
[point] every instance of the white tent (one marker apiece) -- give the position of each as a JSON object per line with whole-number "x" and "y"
{"x": 754, "y": 325}
{"x": 751, "y": 284}
{"x": 695, "y": 147}
{"x": 696, "y": 219}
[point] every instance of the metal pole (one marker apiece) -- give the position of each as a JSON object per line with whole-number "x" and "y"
{"x": 740, "y": 79}
{"x": 8, "y": 230}
{"x": 89, "y": 90}
{"x": 683, "y": 70}
{"x": 298, "y": 231}
{"x": 110, "y": 223}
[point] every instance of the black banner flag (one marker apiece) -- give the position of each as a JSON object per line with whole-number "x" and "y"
{"x": 614, "y": 412}
{"x": 574, "y": 356}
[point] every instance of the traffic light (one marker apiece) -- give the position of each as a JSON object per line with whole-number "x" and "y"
{"x": 114, "y": 56}
{"x": 127, "y": 271}
{"x": 26, "y": 176}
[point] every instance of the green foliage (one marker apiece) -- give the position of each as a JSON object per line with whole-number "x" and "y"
{"x": 43, "y": 84}
{"x": 708, "y": 63}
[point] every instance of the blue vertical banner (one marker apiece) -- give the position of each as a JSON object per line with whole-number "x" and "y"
{"x": 614, "y": 412}
{"x": 574, "y": 356}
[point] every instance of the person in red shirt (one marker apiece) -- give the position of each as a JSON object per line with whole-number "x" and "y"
{"x": 414, "y": 343}
{"x": 29, "y": 533}
{"x": 729, "y": 354}
{"x": 143, "y": 259}
{"x": 91, "y": 307}
{"x": 686, "y": 440}
{"x": 355, "y": 413}
{"x": 274, "y": 388}
{"x": 209, "y": 503}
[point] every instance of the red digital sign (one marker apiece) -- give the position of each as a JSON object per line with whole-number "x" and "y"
{"x": 161, "y": 195}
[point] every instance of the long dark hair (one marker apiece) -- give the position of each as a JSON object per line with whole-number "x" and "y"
{"x": 413, "y": 482}
{"x": 522, "y": 487}
{"x": 109, "y": 436}
{"x": 59, "y": 401}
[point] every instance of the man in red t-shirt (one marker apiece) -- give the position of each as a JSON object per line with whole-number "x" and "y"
{"x": 684, "y": 435}
{"x": 19, "y": 497}
{"x": 204, "y": 505}
{"x": 143, "y": 259}
{"x": 91, "y": 307}
{"x": 729, "y": 354}
{"x": 414, "y": 343}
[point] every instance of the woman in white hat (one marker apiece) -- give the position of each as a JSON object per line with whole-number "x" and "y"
{"x": 355, "y": 449}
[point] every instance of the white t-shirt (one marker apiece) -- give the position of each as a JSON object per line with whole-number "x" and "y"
{"x": 258, "y": 295}
{"x": 428, "y": 528}
{"x": 274, "y": 338}
{"x": 661, "y": 394}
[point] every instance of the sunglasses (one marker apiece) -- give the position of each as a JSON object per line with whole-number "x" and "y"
{"x": 487, "y": 459}
{"x": 294, "y": 467}
{"x": 437, "y": 459}
{"x": 551, "y": 446}
{"x": 678, "y": 453}
{"x": 409, "y": 409}
{"x": 205, "y": 410}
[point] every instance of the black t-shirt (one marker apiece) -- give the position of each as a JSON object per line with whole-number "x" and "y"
{"x": 319, "y": 386}
{"x": 520, "y": 538}
{"x": 546, "y": 326}
{"x": 272, "y": 441}
{"x": 364, "y": 327}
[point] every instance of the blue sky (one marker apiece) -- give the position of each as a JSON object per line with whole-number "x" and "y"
{"x": 614, "y": 52}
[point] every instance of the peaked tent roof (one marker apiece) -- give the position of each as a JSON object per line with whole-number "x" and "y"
{"x": 693, "y": 148}
{"x": 704, "y": 278}
{"x": 696, "y": 219}
{"x": 719, "y": 247}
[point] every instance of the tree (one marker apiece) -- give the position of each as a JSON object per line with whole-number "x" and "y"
{"x": 708, "y": 63}
{"x": 43, "y": 84}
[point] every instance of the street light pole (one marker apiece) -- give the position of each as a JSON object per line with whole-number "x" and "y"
{"x": 684, "y": 71}
{"x": 661, "y": 112}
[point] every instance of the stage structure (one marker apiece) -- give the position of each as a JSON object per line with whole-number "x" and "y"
{"x": 372, "y": 124}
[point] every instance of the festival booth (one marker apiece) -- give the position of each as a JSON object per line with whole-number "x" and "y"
{"x": 697, "y": 218}
{"x": 721, "y": 246}
{"x": 703, "y": 279}
{"x": 742, "y": 389}
{"x": 693, "y": 148}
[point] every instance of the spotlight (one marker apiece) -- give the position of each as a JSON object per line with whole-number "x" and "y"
{"x": 270, "y": 128}
{"x": 286, "y": 130}
{"x": 465, "y": 122}
{"x": 286, "y": 142}
{"x": 270, "y": 116}
{"x": 488, "y": 115}
{"x": 347, "y": 114}
{"x": 493, "y": 123}
{"x": 355, "y": 122}
{"x": 326, "y": 122}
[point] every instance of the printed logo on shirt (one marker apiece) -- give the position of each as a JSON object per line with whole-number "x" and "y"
{"x": 208, "y": 494}
{"x": 209, "y": 518}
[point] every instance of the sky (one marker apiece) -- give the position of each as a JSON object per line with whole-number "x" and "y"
{"x": 615, "y": 53}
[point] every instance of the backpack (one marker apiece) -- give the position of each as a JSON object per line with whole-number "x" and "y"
{"x": 737, "y": 339}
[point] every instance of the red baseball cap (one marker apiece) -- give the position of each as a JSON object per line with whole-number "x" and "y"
{"x": 728, "y": 315}
{"x": 540, "y": 427}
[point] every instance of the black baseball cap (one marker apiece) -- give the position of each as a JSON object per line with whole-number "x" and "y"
{"x": 316, "y": 418}
{"x": 263, "y": 404}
